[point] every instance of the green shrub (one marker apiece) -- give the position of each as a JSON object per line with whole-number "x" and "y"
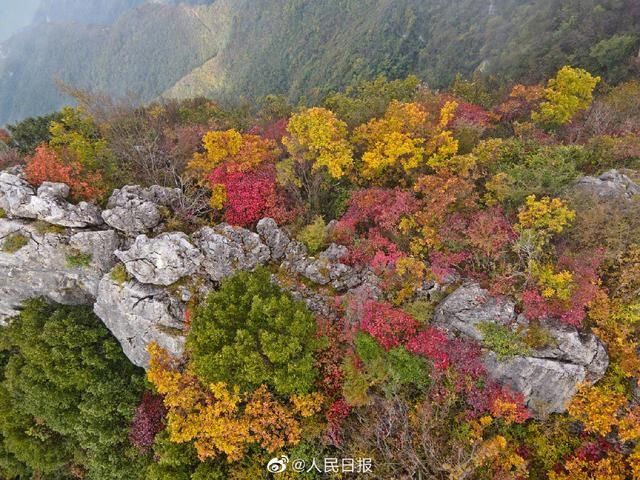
{"x": 502, "y": 340}
{"x": 119, "y": 274}
{"x": 14, "y": 242}
{"x": 542, "y": 172}
{"x": 250, "y": 332}
{"x": 67, "y": 396}
{"x": 78, "y": 259}
{"x": 421, "y": 310}
{"x": 3, "y": 213}
{"x": 44, "y": 227}
{"x": 404, "y": 368}
{"x": 391, "y": 371}
{"x": 31, "y": 132}
{"x": 314, "y": 235}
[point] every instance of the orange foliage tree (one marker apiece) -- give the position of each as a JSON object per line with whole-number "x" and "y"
{"x": 46, "y": 166}
{"x": 220, "y": 420}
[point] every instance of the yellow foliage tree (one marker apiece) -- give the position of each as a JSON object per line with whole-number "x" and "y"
{"x": 546, "y": 215}
{"x": 403, "y": 138}
{"x": 602, "y": 411}
{"x": 218, "y": 419}
{"x": 553, "y": 284}
{"x": 568, "y": 93}
{"x": 318, "y": 138}
{"x": 616, "y": 324}
{"x": 611, "y": 467}
{"x": 239, "y": 151}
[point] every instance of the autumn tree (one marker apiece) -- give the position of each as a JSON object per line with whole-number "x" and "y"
{"x": 319, "y": 150}
{"x": 568, "y": 93}
{"x": 365, "y": 100}
{"x": 220, "y": 420}
{"x": 404, "y": 140}
{"x": 77, "y": 139}
{"x": 240, "y": 171}
{"x": 47, "y": 166}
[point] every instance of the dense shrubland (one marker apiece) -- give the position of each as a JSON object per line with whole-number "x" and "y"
{"x": 418, "y": 186}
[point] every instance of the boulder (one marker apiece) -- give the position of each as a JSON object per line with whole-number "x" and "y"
{"x": 274, "y": 237}
{"x": 229, "y": 249}
{"x": 43, "y": 265}
{"x": 134, "y": 210}
{"x": 161, "y": 260}
{"x": 611, "y": 184}
{"x": 470, "y": 305}
{"x": 138, "y": 314}
{"x": 547, "y": 377}
{"x": 20, "y": 200}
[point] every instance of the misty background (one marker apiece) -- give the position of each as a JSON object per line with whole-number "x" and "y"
{"x": 16, "y": 14}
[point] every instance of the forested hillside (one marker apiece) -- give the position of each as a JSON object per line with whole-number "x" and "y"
{"x": 303, "y": 48}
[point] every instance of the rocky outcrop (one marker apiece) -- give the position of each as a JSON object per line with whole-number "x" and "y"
{"x": 611, "y": 184}
{"x": 466, "y": 308}
{"x": 66, "y": 252}
{"x": 228, "y": 249}
{"x": 324, "y": 270}
{"x": 275, "y": 238}
{"x": 138, "y": 314}
{"x": 161, "y": 260}
{"x": 18, "y": 199}
{"x": 134, "y": 210}
{"x": 546, "y": 376}
{"x": 61, "y": 264}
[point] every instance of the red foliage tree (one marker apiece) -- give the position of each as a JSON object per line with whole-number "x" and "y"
{"x": 376, "y": 207}
{"x": 336, "y": 415}
{"x": 329, "y": 359}
{"x": 251, "y": 195}
{"x": 374, "y": 249}
{"x": 471, "y": 114}
{"x": 389, "y": 326}
{"x": 433, "y": 344}
{"x": 274, "y": 130}
{"x": 475, "y": 243}
{"x": 147, "y": 422}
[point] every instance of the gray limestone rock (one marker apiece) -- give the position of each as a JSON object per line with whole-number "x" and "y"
{"x": 161, "y": 260}
{"x": 133, "y": 209}
{"x": 547, "y": 377}
{"x": 229, "y": 249}
{"x": 20, "y": 200}
{"x": 275, "y": 238}
{"x": 470, "y": 305}
{"x": 42, "y": 267}
{"x": 611, "y": 184}
{"x": 138, "y": 314}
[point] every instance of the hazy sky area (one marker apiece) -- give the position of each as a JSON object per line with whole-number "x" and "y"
{"x": 14, "y": 15}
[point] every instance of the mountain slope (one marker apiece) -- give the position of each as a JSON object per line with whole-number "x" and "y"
{"x": 142, "y": 53}
{"x": 226, "y": 48}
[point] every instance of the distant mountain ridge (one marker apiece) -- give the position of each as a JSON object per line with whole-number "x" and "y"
{"x": 226, "y": 48}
